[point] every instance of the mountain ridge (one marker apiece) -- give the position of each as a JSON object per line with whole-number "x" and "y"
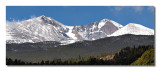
{"x": 44, "y": 28}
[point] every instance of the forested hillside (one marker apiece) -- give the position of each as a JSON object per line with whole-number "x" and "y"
{"x": 147, "y": 58}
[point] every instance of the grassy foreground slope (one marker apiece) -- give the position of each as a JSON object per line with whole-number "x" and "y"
{"x": 147, "y": 58}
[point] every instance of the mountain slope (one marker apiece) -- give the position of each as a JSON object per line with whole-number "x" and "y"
{"x": 134, "y": 29}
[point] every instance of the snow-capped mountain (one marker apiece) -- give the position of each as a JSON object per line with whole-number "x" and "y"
{"x": 96, "y": 30}
{"x": 43, "y": 28}
{"x": 134, "y": 29}
{"x": 36, "y": 30}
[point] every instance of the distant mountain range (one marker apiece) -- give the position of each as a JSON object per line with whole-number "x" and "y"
{"x": 43, "y": 28}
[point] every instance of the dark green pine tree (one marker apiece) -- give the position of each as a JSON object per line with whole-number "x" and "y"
{"x": 42, "y": 62}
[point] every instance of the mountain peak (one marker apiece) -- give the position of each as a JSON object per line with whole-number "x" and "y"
{"x": 135, "y": 29}
{"x": 102, "y": 23}
{"x": 133, "y": 24}
{"x": 104, "y": 20}
{"x": 47, "y": 19}
{"x": 42, "y": 16}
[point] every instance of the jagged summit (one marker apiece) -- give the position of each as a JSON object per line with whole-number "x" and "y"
{"x": 42, "y": 16}
{"x": 104, "y": 21}
{"x": 49, "y": 20}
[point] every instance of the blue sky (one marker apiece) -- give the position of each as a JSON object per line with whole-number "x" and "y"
{"x": 82, "y": 15}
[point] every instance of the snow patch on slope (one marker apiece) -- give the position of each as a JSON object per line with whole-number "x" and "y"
{"x": 101, "y": 24}
{"x": 116, "y": 24}
{"x": 70, "y": 34}
{"x": 68, "y": 42}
